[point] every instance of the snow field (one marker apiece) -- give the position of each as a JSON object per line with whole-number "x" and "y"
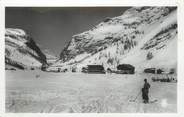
{"x": 45, "y": 92}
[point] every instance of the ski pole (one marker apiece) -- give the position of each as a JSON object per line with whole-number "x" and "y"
{"x": 136, "y": 97}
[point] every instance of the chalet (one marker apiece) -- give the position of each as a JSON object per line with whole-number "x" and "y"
{"x": 154, "y": 70}
{"x": 125, "y": 69}
{"x": 93, "y": 69}
{"x": 150, "y": 70}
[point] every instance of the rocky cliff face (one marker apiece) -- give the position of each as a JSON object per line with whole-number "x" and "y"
{"x": 142, "y": 36}
{"x": 21, "y": 51}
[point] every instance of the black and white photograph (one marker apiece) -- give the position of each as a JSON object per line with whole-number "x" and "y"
{"x": 113, "y": 59}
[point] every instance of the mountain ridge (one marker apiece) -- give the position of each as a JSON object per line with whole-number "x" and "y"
{"x": 21, "y": 51}
{"x": 111, "y": 41}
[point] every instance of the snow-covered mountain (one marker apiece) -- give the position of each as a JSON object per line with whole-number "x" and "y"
{"x": 50, "y": 57}
{"x": 141, "y": 36}
{"x": 21, "y": 51}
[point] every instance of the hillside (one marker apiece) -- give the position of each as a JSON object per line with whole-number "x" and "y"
{"x": 141, "y": 36}
{"x": 21, "y": 51}
{"x": 50, "y": 57}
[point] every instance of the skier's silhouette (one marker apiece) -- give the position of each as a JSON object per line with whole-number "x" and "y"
{"x": 145, "y": 91}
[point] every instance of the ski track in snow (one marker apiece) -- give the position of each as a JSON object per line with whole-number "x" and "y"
{"x": 84, "y": 93}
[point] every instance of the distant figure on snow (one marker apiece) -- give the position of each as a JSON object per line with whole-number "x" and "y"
{"x": 37, "y": 76}
{"x": 145, "y": 91}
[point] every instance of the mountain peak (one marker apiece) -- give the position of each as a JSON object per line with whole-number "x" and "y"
{"x": 120, "y": 39}
{"x": 15, "y": 31}
{"x": 21, "y": 51}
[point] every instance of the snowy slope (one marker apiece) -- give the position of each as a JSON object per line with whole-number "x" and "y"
{"x": 50, "y": 57}
{"x": 126, "y": 39}
{"x": 85, "y": 93}
{"x": 21, "y": 51}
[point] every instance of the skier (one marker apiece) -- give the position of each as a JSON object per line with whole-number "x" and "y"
{"x": 145, "y": 91}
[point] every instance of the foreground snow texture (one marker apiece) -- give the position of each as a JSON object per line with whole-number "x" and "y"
{"x": 36, "y": 91}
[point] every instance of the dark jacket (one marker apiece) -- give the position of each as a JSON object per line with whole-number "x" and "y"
{"x": 146, "y": 87}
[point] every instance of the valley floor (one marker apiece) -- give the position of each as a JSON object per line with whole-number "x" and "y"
{"x": 44, "y": 92}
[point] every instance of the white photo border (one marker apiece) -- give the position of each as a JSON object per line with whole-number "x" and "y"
{"x": 95, "y": 3}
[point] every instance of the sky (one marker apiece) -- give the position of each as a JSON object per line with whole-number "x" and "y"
{"x": 53, "y": 27}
